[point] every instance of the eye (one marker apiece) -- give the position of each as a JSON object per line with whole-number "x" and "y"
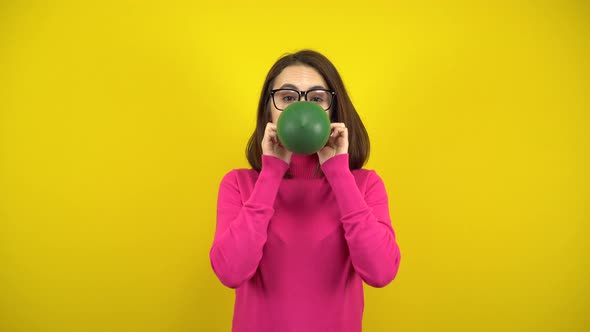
{"x": 319, "y": 97}
{"x": 288, "y": 99}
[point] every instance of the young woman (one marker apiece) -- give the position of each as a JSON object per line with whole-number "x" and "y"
{"x": 297, "y": 235}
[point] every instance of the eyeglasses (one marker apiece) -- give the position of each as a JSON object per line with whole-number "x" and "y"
{"x": 282, "y": 98}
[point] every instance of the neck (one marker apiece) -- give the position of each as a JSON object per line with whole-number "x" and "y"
{"x": 304, "y": 166}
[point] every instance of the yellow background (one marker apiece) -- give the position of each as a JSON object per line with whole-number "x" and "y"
{"x": 118, "y": 120}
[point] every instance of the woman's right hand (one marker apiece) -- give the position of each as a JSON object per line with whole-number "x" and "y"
{"x": 271, "y": 145}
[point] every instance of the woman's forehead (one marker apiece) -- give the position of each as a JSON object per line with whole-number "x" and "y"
{"x": 300, "y": 77}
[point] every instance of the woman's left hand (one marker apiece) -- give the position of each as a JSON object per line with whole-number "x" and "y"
{"x": 337, "y": 143}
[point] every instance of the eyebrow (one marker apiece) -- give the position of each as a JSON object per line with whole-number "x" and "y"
{"x": 291, "y": 86}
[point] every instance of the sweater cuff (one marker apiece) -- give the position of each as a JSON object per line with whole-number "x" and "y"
{"x": 343, "y": 184}
{"x": 273, "y": 166}
{"x": 268, "y": 182}
{"x": 336, "y": 165}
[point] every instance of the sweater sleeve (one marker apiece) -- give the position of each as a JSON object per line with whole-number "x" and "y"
{"x": 371, "y": 240}
{"x": 241, "y": 230}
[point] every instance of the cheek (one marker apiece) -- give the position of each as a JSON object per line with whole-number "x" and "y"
{"x": 274, "y": 114}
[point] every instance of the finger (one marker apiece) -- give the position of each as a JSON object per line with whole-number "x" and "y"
{"x": 337, "y": 125}
{"x": 268, "y": 135}
{"x": 273, "y": 126}
{"x": 339, "y": 133}
{"x": 270, "y": 127}
{"x": 336, "y": 131}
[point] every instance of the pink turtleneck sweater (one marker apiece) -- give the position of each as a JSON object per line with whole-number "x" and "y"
{"x": 297, "y": 249}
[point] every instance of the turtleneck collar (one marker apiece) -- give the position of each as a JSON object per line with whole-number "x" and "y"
{"x": 304, "y": 166}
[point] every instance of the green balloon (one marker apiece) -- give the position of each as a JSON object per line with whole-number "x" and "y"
{"x": 303, "y": 127}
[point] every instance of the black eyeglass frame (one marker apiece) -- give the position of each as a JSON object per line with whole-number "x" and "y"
{"x": 302, "y": 94}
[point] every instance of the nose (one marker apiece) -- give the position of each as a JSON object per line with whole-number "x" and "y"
{"x": 302, "y": 95}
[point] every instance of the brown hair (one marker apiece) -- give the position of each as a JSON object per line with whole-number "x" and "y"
{"x": 342, "y": 108}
